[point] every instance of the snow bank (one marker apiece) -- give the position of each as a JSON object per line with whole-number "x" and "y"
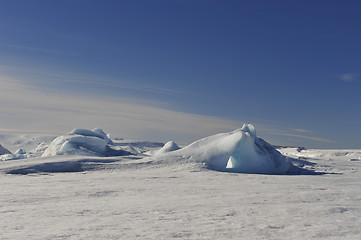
{"x": 238, "y": 151}
{"x": 84, "y": 142}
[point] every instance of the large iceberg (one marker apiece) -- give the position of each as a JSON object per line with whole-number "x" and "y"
{"x": 237, "y": 151}
{"x": 84, "y": 142}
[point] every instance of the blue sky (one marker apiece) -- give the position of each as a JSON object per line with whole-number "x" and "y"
{"x": 292, "y": 68}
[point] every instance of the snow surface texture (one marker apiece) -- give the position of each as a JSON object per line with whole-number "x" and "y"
{"x": 84, "y": 142}
{"x": 131, "y": 197}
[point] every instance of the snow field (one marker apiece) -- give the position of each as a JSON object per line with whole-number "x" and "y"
{"x": 173, "y": 203}
{"x": 177, "y": 195}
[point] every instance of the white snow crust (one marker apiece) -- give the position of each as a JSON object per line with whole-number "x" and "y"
{"x": 132, "y": 197}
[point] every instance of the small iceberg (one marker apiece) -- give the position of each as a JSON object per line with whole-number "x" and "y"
{"x": 168, "y": 147}
{"x": 84, "y": 142}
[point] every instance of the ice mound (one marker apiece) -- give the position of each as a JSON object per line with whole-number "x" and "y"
{"x": 238, "y": 151}
{"x": 7, "y": 155}
{"x": 20, "y": 151}
{"x": 96, "y": 132}
{"x": 168, "y": 147}
{"x": 4, "y": 150}
{"x": 41, "y": 147}
{"x": 84, "y": 142}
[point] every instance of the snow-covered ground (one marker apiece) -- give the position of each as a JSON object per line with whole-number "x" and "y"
{"x": 165, "y": 193}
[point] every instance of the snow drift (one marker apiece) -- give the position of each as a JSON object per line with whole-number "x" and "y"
{"x": 238, "y": 151}
{"x": 84, "y": 142}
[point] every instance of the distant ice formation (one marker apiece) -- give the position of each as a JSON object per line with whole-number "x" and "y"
{"x": 20, "y": 151}
{"x": 238, "y": 151}
{"x": 168, "y": 147}
{"x": 4, "y": 150}
{"x": 84, "y": 142}
{"x": 6, "y": 155}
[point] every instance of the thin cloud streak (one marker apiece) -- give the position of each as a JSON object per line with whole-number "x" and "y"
{"x": 41, "y": 77}
{"x": 36, "y": 110}
{"x": 349, "y": 77}
{"x": 43, "y": 50}
{"x": 300, "y": 130}
{"x": 317, "y": 139}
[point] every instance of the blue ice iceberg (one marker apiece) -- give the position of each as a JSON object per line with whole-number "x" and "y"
{"x": 254, "y": 155}
{"x": 237, "y": 151}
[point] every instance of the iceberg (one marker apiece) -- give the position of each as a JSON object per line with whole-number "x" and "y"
{"x": 6, "y": 155}
{"x": 254, "y": 155}
{"x": 237, "y": 151}
{"x": 84, "y": 142}
{"x": 168, "y": 147}
{"x": 96, "y": 132}
{"x": 20, "y": 151}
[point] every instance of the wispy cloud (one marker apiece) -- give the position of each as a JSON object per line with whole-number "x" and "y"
{"x": 349, "y": 77}
{"x": 300, "y": 130}
{"x": 317, "y": 139}
{"x": 41, "y": 77}
{"x": 24, "y": 108}
{"x": 35, "y": 49}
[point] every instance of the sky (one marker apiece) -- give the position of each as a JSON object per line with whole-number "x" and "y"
{"x": 183, "y": 69}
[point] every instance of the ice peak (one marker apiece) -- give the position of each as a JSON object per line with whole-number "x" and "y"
{"x": 249, "y": 128}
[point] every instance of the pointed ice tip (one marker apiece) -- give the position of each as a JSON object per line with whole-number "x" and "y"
{"x": 249, "y": 128}
{"x": 99, "y": 131}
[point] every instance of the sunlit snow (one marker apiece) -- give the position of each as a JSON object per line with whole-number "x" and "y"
{"x": 85, "y": 185}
